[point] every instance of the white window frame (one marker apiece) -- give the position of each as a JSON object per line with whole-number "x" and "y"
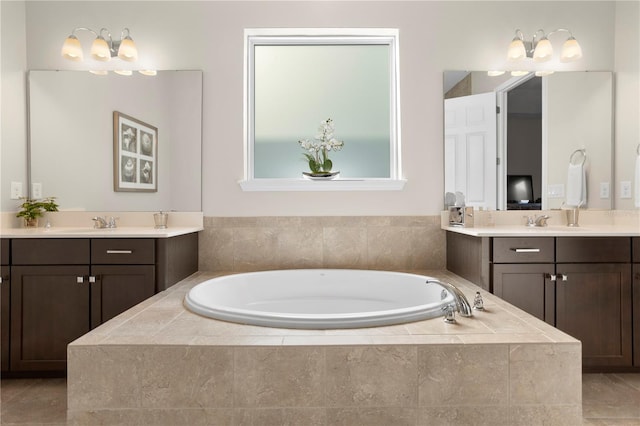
{"x": 320, "y": 36}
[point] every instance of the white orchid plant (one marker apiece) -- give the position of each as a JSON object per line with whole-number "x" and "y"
{"x": 318, "y": 150}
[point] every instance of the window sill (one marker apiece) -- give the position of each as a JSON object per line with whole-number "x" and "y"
{"x": 326, "y": 185}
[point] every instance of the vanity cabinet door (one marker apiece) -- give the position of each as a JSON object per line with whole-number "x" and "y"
{"x": 5, "y": 295}
{"x": 594, "y": 306}
{"x": 49, "y": 309}
{"x": 118, "y": 288}
{"x": 528, "y": 287}
{"x": 636, "y": 311}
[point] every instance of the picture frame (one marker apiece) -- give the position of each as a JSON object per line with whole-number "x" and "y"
{"x": 135, "y": 155}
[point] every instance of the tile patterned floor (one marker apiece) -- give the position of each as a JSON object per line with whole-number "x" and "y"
{"x": 607, "y": 400}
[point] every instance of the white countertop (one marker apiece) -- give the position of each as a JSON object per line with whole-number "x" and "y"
{"x": 77, "y": 232}
{"x": 548, "y": 231}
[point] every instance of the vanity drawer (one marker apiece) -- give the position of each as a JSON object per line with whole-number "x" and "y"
{"x": 523, "y": 250}
{"x": 49, "y": 251}
{"x": 593, "y": 249}
{"x": 123, "y": 251}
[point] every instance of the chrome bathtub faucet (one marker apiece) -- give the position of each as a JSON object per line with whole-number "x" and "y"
{"x": 462, "y": 304}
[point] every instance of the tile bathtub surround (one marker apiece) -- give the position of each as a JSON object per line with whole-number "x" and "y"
{"x": 241, "y": 244}
{"x": 159, "y": 361}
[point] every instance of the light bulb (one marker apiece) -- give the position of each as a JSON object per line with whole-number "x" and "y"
{"x": 148, "y": 72}
{"x": 123, "y": 72}
{"x": 128, "y": 51}
{"x": 100, "y": 50}
{"x": 99, "y": 72}
{"x": 519, "y": 73}
{"x": 543, "y": 50}
{"x": 516, "y": 50}
{"x": 571, "y": 50}
{"x": 71, "y": 49}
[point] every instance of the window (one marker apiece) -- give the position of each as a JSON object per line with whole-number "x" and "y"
{"x": 296, "y": 79}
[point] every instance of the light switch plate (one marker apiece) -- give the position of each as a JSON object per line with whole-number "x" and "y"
{"x": 16, "y": 190}
{"x": 555, "y": 191}
{"x": 36, "y": 190}
{"x": 625, "y": 189}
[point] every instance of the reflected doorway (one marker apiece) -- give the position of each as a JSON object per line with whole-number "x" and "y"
{"x": 524, "y": 142}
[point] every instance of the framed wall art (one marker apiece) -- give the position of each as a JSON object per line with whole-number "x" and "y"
{"x": 135, "y": 155}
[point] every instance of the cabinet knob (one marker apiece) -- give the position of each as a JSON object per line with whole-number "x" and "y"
{"x": 92, "y": 279}
{"x": 79, "y": 280}
{"x": 552, "y": 277}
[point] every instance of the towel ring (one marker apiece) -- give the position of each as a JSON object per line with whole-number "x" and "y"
{"x": 583, "y": 153}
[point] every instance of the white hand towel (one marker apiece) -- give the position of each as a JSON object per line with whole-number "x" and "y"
{"x": 576, "y": 185}
{"x": 636, "y": 181}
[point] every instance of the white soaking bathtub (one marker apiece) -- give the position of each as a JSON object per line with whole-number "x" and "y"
{"x": 319, "y": 298}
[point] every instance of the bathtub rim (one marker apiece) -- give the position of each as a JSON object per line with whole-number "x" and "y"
{"x": 319, "y": 321}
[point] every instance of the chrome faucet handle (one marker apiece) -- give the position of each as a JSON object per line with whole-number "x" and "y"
{"x": 478, "y": 303}
{"x": 449, "y": 314}
{"x": 541, "y": 220}
{"x": 530, "y": 221}
{"x": 112, "y": 222}
{"x": 99, "y": 222}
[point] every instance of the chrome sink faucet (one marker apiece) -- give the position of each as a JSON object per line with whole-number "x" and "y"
{"x": 537, "y": 221}
{"x": 101, "y": 222}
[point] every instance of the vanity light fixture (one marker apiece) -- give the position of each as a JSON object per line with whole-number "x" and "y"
{"x": 103, "y": 48}
{"x": 540, "y": 49}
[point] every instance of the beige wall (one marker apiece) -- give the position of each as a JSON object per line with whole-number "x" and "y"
{"x": 434, "y": 36}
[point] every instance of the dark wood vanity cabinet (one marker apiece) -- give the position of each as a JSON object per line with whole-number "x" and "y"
{"x": 585, "y": 286}
{"x": 50, "y": 301}
{"x": 5, "y": 303}
{"x": 593, "y": 297}
{"x": 62, "y": 288}
{"x": 635, "y": 251}
{"x": 122, "y": 275}
{"x": 522, "y": 271}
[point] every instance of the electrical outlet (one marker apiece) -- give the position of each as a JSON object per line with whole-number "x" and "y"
{"x": 604, "y": 190}
{"x": 36, "y": 190}
{"x": 16, "y": 190}
{"x": 625, "y": 189}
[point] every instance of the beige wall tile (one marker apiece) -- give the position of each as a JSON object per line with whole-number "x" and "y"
{"x": 360, "y": 242}
{"x": 370, "y": 416}
{"x": 280, "y": 417}
{"x": 277, "y": 377}
{"x": 215, "y": 249}
{"x": 464, "y": 415}
{"x": 565, "y": 415}
{"x": 371, "y": 376}
{"x": 534, "y": 373}
{"x": 345, "y": 247}
{"x": 463, "y": 375}
{"x": 150, "y": 377}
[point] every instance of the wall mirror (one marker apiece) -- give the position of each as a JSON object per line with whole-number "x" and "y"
{"x": 295, "y": 79}
{"x": 503, "y": 132}
{"x": 71, "y": 137}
